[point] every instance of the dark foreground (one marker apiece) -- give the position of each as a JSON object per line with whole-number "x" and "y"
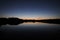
{"x": 11, "y": 32}
{"x": 32, "y": 32}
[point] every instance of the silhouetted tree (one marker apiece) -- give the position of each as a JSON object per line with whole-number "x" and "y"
{"x": 14, "y": 21}
{"x": 3, "y": 21}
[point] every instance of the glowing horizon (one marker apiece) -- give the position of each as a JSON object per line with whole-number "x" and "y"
{"x": 31, "y": 18}
{"x": 39, "y": 9}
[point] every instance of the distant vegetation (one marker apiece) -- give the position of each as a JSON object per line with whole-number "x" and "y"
{"x": 16, "y": 21}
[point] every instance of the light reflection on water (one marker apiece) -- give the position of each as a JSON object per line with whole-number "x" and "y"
{"x": 42, "y": 30}
{"x": 31, "y": 26}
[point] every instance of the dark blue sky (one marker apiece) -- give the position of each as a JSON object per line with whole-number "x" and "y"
{"x": 30, "y": 8}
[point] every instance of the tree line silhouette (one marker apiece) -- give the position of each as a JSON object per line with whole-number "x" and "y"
{"x": 16, "y": 21}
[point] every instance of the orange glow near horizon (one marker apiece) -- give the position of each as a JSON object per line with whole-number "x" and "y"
{"x": 31, "y": 18}
{"x": 28, "y": 18}
{"x": 36, "y": 18}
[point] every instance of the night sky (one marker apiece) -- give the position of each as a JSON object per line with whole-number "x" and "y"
{"x": 30, "y": 8}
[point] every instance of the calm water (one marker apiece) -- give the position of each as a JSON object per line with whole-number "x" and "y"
{"x": 33, "y": 30}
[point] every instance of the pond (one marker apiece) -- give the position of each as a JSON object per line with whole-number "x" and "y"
{"x": 30, "y": 29}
